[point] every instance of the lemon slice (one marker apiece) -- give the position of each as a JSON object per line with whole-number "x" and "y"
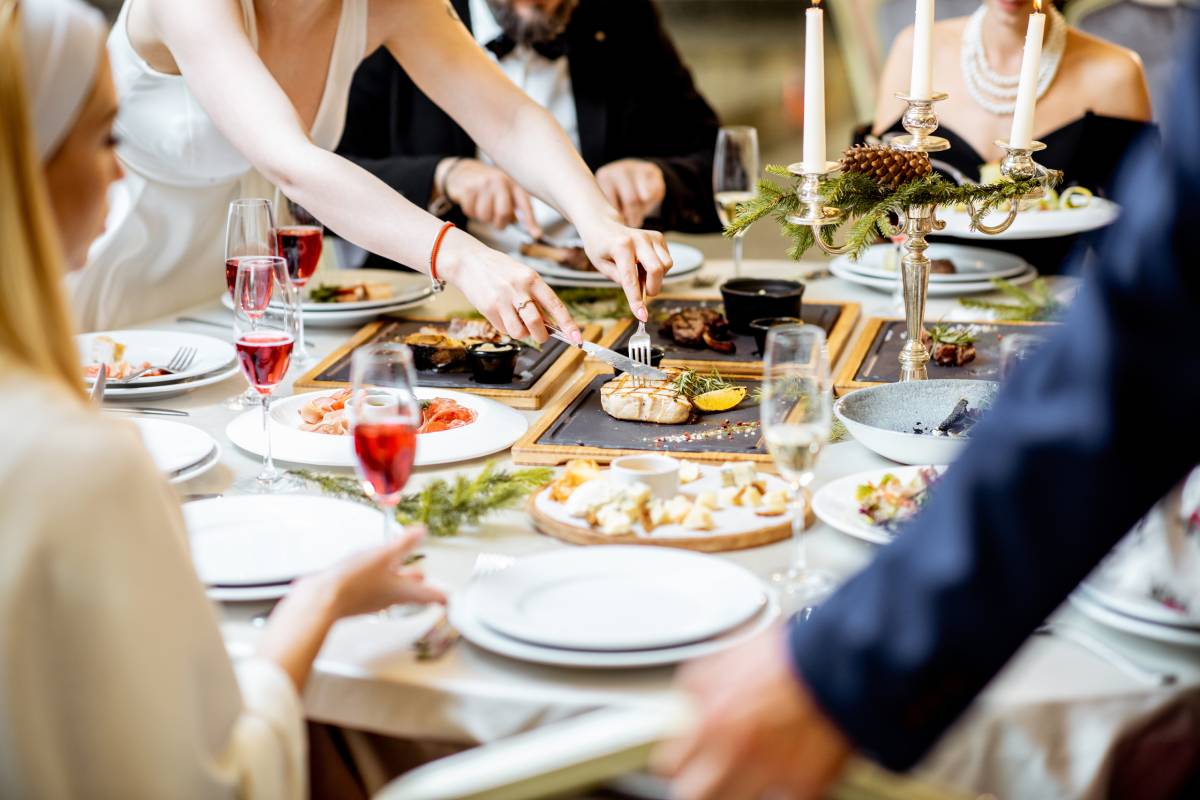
{"x": 1074, "y": 197}
{"x": 721, "y": 399}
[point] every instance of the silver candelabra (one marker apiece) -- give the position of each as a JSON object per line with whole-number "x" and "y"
{"x": 917, "y": 221}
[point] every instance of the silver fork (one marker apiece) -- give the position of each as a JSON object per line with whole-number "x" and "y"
{"x": 438, "y": 640}
{"x": 181, "y": 360}
{"x": 639, "y": 343}
{"x": 1106, "y": 653}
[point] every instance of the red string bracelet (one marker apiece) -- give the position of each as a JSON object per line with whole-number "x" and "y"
{"x": 437, "y": 245}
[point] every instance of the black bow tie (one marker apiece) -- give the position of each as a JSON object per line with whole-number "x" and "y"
{"x": 553, "y": 50}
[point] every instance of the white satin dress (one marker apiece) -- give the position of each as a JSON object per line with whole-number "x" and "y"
{"x": 163, "y": 249}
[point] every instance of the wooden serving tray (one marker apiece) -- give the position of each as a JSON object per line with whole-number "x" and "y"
{"x": 576, "y": 426}
{"x": 875, "y": 357}
{"x": 835, "y": 318}
{"x": 539, "y": 372}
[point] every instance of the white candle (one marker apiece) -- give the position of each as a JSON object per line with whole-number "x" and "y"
{"x": 1031, "y": 62}
{"x": 814, "y": 90}
{"x": 920, "y": 85}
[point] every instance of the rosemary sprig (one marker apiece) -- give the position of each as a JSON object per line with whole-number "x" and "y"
{"x": 867, "y": 203}
{"x": 952, "y": 334}
{"x": 445, "y": 507}
{"x": 690, "y": 383}
{"x": 1035, "y": 304}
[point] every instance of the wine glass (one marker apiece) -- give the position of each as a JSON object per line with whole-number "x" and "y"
{"x": 264, "y": 345}
{"x": 796, "y": 419}
{"x": 384, "y": 416}
{"x": 735, "y": 173}
{"x": 299, "y": 239}
{"x": 249, "y": 231}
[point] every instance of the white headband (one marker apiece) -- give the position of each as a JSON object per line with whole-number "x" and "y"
{"x": 62, "y": 41}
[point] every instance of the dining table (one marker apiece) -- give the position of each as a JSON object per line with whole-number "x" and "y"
{"x": 1053, "y": 723}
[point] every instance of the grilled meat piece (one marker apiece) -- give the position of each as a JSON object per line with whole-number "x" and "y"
{"x": 948, "y": 355}
{"x": 688, "y": 326}
{"x": 942, "y": 266}
{"x": 570, "y": 257}
{"x": 639, "y": 400}
{"x": 726, "y": 346}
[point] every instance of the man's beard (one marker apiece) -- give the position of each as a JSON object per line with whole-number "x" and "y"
{"x": 537, "y": 26}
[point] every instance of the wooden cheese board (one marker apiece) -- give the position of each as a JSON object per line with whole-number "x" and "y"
{"x": 539, "y": 371}
{"x": 875, "y": 355}
{"x": 735, "y": 528}
{"x": 837, "y": 319}
{"x": 576, "y": 426}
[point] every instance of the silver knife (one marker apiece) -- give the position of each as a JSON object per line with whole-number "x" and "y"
{"x": 613, "y": 358}
{"x": 162, "y": 412}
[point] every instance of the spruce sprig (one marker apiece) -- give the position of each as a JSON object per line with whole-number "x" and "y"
{"x": 445, "y": 507}
{"x": 1035, "y": 304}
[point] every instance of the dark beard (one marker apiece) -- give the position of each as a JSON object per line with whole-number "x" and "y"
{"x": 538, "y": 27}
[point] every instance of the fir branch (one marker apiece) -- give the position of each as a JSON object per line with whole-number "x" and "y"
{"x": 445, "y": 507}
{"x": 1036, "y": 304}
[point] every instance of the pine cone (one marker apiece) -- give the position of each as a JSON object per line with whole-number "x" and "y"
{"x": 888, "y": 167}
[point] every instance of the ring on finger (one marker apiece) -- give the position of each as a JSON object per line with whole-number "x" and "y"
{"x": 521, "y": 305}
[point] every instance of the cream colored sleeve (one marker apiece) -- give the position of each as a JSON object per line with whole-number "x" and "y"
{"x": 115, "y": 681}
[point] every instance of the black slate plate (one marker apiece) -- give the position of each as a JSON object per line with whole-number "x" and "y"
{"x": 824, "y": 316}
{"x": 531, "y": 363}
{"x": 882, "y": 362}
{"x": 584, "y": 423}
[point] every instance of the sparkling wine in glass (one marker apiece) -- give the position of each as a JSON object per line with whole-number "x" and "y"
{"x": 796, "y": 415}
{"x": 735, "y": 174}
{"x": 264, "y": 344}
{"x": 249, "y": 232}
{"x": 299, "y": 237}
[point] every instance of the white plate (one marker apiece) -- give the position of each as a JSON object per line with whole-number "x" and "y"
{"x": 339, "y": 318}
{"x": 248, "y": 594}
{"x": 834, "y": 503}
{"x": 158, "y": 347}
{"x": 1169, "y": 634}
{"x": 687, "y": 262}
{"x": 496, "y": 427}
{"x": 269, "y": 539}
{"x": 174, "y": 446}
{"x": 198, "y": 469}
{"x": 671, "y": 280}
{"x": 935, "y": 289}
{"x": 1098, "y": 590}
{"x": 1035, "y": 224}
{"x": 463, "y": 617}
{"x": 407, "y": 287}
{"x": 974, "y": 264}
{"x": 165, "y": 390}
{"x": 617, "y": 598}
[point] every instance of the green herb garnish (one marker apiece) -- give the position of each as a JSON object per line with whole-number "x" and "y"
{"x": 952, "y": 335}
{"x": 1032, "y": 304}
{"x": 690, "y": 383}
{"x": 324, "y": 293}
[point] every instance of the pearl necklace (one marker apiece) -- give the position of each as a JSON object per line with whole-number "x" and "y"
{"x": 993, "y": 91}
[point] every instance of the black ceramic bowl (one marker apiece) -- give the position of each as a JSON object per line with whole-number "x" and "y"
{"x": 759, "y": 328}
{"x": 748, "y": 299}
{"x": 656, "y": 357}
{"x": 493, "y": 363}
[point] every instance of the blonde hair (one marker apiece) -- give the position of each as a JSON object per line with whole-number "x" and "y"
{"x": 35, "y": 324}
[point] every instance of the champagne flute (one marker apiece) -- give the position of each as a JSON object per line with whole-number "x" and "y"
{"x": 249, "y": 231}
{"x": 264, "y": 345}
{"x": 384, "y": 416}
{"x": 797, "y": 399}
{"x": 735, "y": 174}
{"x": 299, "y": 239}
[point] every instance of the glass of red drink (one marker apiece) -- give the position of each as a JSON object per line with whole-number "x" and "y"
{"x": 384, "y": 416}
{"x": 299, "y": 238}
{"x": 249, "y": 232}
{"x": 264, "y": 344}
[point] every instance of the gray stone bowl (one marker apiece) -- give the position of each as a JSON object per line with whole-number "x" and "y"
{"x": 882, "y": 417}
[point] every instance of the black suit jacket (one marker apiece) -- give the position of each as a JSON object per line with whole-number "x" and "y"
{"x": 1080, "y": 443}
{"x": 634, "y": 98}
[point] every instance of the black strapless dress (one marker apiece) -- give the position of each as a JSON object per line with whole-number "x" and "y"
{"x": 1089, "y": 151}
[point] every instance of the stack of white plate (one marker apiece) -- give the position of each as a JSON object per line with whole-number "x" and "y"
{"x": 879, "y": 268}
{"x": 252, "y": 547}
{"x": 214, "y": 361}
{"x": 1105, "y": 602}
{"x": 181, "y": 452}
{"x": 409, "y": 290}
{"x": 686, "y": 259}
{"x": 613, "y": 607}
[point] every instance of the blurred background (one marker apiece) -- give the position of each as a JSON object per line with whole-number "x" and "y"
{"x": 747, "y": 58}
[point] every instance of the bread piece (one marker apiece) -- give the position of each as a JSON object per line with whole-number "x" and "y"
{"x": 698, "y": 519}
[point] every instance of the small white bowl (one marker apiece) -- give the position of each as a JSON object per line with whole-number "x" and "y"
{"x": 660, "y": 473}
{"x": 882, "y": 417}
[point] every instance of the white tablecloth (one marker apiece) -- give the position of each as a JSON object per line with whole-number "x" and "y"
{"x": 1045, "y": 728}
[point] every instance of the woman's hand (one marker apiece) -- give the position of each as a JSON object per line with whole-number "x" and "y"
{"x": 618, "y": 251}
{"x": 512, "y": 296}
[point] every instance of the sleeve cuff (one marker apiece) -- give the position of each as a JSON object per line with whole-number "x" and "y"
{"x": 270, "y": 733}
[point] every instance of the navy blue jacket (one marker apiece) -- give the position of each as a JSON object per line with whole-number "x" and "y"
{"x": 1078, "y": 446}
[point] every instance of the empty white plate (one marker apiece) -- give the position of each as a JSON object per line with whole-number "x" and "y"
{"x": 935, "y": 289}
{"x": 271, "y": 539}
{"x": 618, "y": 598}
{"x": 174, "y": 446}
{"x": 157, "y": 348}
{"x": 1169, "y": 634}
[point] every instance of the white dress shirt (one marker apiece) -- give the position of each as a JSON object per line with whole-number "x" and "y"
{"x": 548, "y": 83}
